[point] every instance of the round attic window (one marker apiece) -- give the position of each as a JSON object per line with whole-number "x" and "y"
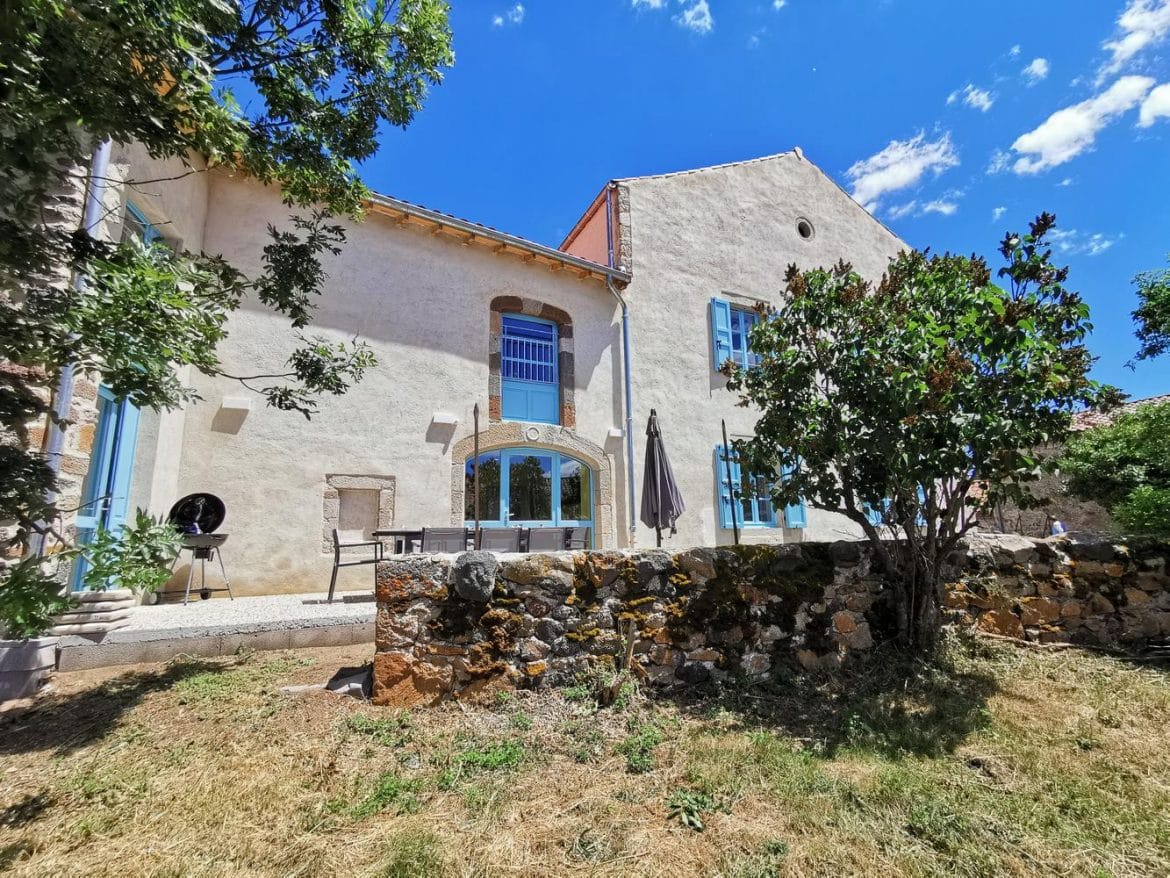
{"x": 805, "y": 229}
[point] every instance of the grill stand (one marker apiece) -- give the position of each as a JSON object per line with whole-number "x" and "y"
{"x": 203, "y": 554}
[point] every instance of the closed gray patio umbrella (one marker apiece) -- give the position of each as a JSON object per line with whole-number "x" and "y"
{"x": 662, "y": 502}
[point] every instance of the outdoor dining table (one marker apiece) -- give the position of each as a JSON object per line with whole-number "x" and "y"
{"x": 402, "y": 537}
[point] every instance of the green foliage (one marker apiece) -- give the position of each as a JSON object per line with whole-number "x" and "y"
{"x": 688, "y": 807}
{"x": 138, "y": 557}
{"x": 1125, "y": 466}
{"x": 1153, "y": 313}
{"x": 389, "y": 792}
{"x": 27, "y": 607}
{"x": 388, "y": 731}
{"x": 317, "y": 82}
{"x": 906, "y": 396}
{"x": 638, "y": 747}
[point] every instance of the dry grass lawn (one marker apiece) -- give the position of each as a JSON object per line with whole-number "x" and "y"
{"x": 994, "y": 761}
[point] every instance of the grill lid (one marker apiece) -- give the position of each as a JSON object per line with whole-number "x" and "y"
{"x": 198, "y": 513}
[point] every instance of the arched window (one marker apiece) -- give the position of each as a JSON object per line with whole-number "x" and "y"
{"x": 531, "y": 371}
{"x": 529, "y": 487}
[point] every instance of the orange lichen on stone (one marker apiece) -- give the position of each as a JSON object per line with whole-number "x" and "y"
{"x": 400, "y": 681}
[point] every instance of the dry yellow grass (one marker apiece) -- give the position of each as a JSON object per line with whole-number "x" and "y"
{"x": 1000, "y": 762}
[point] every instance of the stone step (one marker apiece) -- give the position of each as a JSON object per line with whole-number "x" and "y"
{"x": 91, "y": 628}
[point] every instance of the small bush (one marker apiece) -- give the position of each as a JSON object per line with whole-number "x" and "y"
{"x": 638, "y": 747}
{"x": 688, "y": 808}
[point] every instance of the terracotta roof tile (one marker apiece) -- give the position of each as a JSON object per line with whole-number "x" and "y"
{"x": 1087, "y": 420}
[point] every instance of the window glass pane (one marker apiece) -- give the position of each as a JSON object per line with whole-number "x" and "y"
{"x": 489, "y": 488}
{"x": 530, "y": 487}
{"x": 528, "y": 351}
{"x": 576, "y": 501}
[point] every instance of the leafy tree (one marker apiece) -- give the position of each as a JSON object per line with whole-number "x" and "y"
{"x": 1153, "y": 313}
{"x": 1125, "y": 466}
{"x": 918, "y": 401}
{"x": 289, "y": 92}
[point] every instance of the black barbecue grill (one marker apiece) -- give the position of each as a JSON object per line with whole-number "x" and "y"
{"x": 198, "y": 516}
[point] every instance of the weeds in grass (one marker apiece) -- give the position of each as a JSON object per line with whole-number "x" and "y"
{"x": 389, "y": 731}
{"x": 412, "y": 854}
{"x": 390, "y": 792}
{"x": 767, "y": 862}
{"x": 520, "y": 720}
{"x": 495, "y": 756}
{"x": 586, "y": 740}
{"x": 688, "y": 808}
{"x": 638, "y": 747}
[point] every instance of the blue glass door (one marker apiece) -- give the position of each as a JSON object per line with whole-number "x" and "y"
{"x": 105, "y": 496}
{"x": 529, "y": 487}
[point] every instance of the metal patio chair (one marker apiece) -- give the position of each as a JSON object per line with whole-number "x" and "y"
{"x": 546, "y": 539}
{"x": 447, "y": 540}
{"x": 577, "y": 538}
{"x": 499, "y": 539}
{"x": 352, "y": 562}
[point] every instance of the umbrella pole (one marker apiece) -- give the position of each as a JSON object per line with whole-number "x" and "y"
{"x": 658, "y": 534}
{"x": 730, "y": 483}
{"x": 475, "y": 416}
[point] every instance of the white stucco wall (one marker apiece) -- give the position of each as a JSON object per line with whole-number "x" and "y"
{"x": 727, "y": 232}
{"x": 422, "y": 303}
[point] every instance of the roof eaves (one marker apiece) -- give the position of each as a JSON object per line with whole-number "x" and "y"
{"x": 530, "y": 251}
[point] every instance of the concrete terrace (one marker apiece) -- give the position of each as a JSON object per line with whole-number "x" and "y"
{"x": 222, "y": 627}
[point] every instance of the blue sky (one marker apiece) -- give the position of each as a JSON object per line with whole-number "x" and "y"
{"x": 953, "y": 121}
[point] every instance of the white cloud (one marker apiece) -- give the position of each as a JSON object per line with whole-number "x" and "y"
{"x": 997, "y": 214}
{"x": 1037, "y": 71}
{"x": 779, "y": 4}
{"x": 650, "y": 4}
{"x": 1156, "y": 106}
{"x": 915, "y": 208}
{"x": 515, "y": 15}
{"x": 1001, "y": 160}
{"x": 903, "y": 163}
{"x": 975, "y": 98}
{"x": 696, "y": 17}
{"x": 1014, "y": 51}
{"x": 941, "y": 206}
{"x": 1065, "y": 183}
{"x": 1143, "y": 23}
{"x": 754, "y": 40}
{"x": 1075, "y": 243}
{"x": 1069, "y": 132}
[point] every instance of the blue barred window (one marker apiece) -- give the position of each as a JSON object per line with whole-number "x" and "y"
{"x": 529, "y": 373}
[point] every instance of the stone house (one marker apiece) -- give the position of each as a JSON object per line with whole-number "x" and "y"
{"x": 565, "y": 350}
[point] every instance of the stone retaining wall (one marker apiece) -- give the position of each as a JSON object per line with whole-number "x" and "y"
{"x": 459, "y": 625}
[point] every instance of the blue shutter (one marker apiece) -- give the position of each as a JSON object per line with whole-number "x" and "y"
{"x": 726, "y": 491}
{"x": 720, "y": 331}
{"x": 795, "y": 515}
{"x": 874, "y": 515}
{"x": 123, "y": 465}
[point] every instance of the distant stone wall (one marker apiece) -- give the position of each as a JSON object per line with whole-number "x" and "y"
{"x": 462, "y": 624}
{"x": 1064, "y": 589}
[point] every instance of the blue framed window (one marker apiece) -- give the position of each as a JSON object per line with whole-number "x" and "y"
{"x": 752, "y": 495}
{"x": 136, "y": 225}
{"x": 529, "y": 487}
{"x": 730, "y": 333}
{"x": 529, "y": 370}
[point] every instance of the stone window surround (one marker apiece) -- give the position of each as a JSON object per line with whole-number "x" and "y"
{"x": 509, "y": 434}
{"x": 335, "y": 483}
{"x": 502, "y": 305}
